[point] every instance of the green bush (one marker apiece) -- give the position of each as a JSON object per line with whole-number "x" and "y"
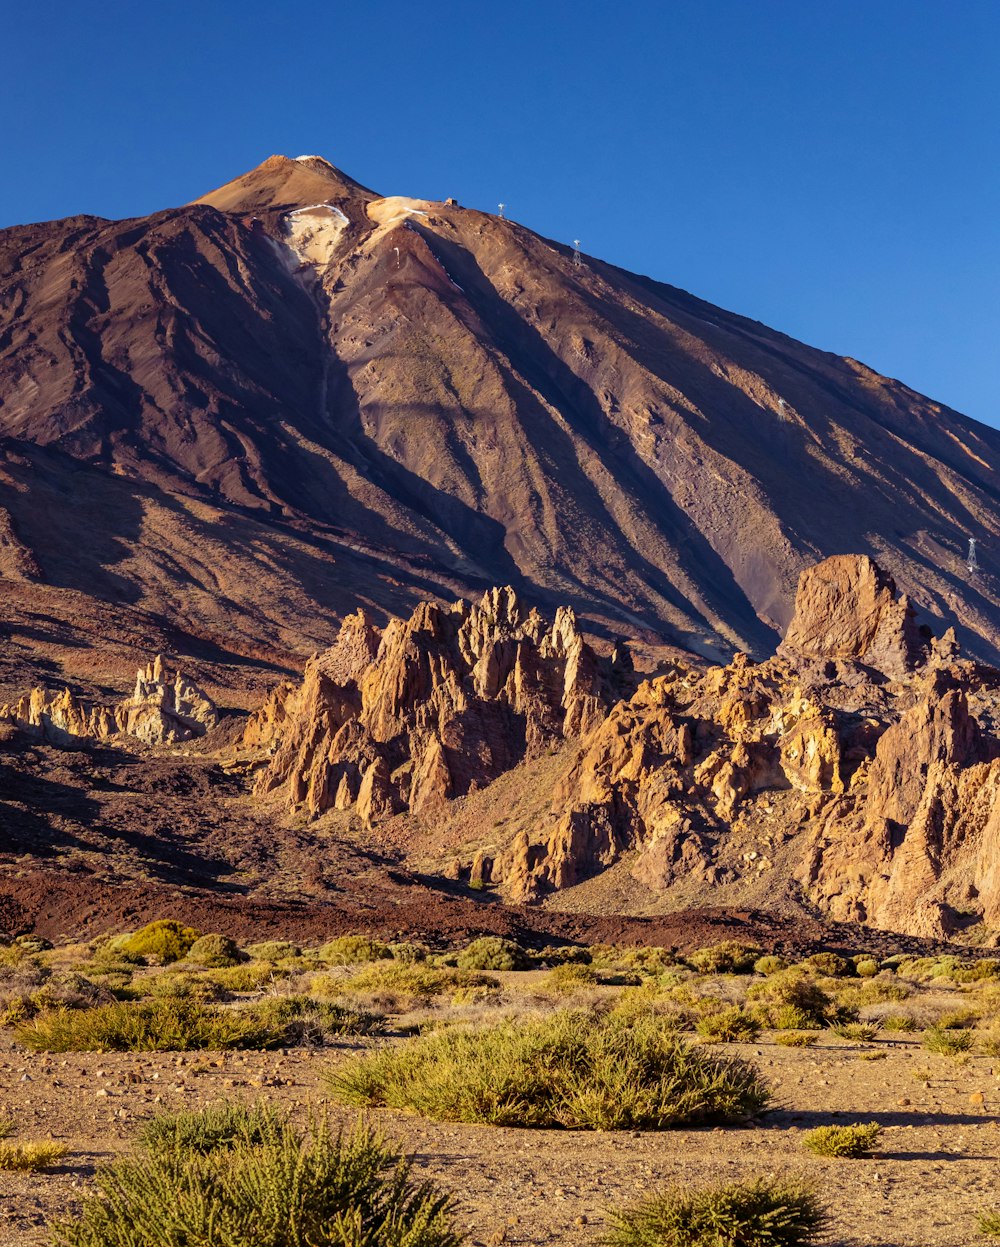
{"x": 734, "y": 1025}
{"x": 353, "y": 950}
{"x": 302, "y": 1020}
{"x": 760, "y": 1213}
{"x": 844, "y": 1142}
{"x": 569, "y": 1069}
{"x": 859, "y": 1032}
{"x": 796, "y": 1039}
{"x": 958, "y": 1020}
{"x": 830, "y": 964}
{"x": 492, "y": 952}
{"x": 214, "y": 952}
{"x": 167, "y": 1025}
{"x": 220, "y": 1125}
{"x": 947, "y": 1043}
{"x": 570, "y": 977}
{"x": 866, "y": 967}
{"x": 395, "y": 988}
{"x": 769, "y": 964}
{"x": 901, "y": 1023}
{"x": 989, "y": 1223}
{"x": 729, "y": 957}
{"x": 407, "y": 952}
{"x": 791, "y": 999}
{"x": 274, "y": 950}
{"x": 166, "y": 939}
{"x": 31, "y": 1157}
{"x": 285, "y": 1188}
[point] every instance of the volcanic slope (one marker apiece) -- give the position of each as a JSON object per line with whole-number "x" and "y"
{"x": 224, "y": 426}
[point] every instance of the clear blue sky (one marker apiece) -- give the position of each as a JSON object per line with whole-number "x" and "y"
{"x": 832, "y": 169}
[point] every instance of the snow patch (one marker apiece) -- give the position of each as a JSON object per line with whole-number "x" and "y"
{"x": 314, "y": 233}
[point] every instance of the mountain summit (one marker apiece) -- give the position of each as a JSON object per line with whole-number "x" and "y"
{"x": 224, "y": 426}
{"x": 281, "y": 182}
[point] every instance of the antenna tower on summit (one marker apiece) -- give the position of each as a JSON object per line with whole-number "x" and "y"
{"x": 500, "y": 208}
{"x": 972, "y": 563}
{"x": 577, "y": 259}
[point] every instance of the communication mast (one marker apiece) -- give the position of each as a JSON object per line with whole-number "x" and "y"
{"x": 972, "y": 563}
{"x": 577, "y": 259}
{"x": 500, "y": 208}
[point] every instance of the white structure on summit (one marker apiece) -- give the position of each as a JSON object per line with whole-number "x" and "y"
{"x": 972, "y": 563}
{"x": 500, "y": 208}
{"x": 577, "y": 260}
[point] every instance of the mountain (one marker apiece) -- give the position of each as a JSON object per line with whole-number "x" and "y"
{"x": 226, "y": 426}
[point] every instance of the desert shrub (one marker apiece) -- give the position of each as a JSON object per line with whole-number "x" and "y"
{"x": 248, "y": 977}
{"x": 637, "y": 1003}
{"x": 947, "y": 1043}
{"x": 214, "y": 952}
{"x": 6, "y": 1126}
{"x": 729, "y": 957}
{"x": 830, "y": 964}
{"x": 165, "y": 939}
{"x": 570, "y": 977}
{"x": 27, "y": 991}
{"x": 493, "y": 952}
{"x": 985, "y": 968}
{"x": 866, "y": 967}
{"x": 760, "y": 1213}
{"x": 12, "y": 954}
{"x": 901, "y": 1023}
{"x": 288, "y": 1187}
{"x": 395, "y": 988}
{"x": 33, "y": 944}
{"x": 791, "y": 1000}
{"x": 844, "y": 1142}
{"x": 879, "y": 991}
{"x": 988, "y": 1042}
{"x": 408, "y": 952}
{"x": 353, "y": 950}
{"x": 303, "y": 1020}
{"x": 570, "y": 1069}
{"x": 644, "y": 959}
{"x": 167, "y": 1025}
{"x": 220, "y": 1125}
{"x": 769, "y": 964}
{"x": 957, "y": 1020}
{"x": 734, "y": 1025}
{"x": 273, "y": 950}
{"x": 796, "y": 1039}
{"x": 31, "y": 1157}
{"x": 988, "y": 1223}
{"x": 175, "y": 984}
{"x": 859, "y": 1032}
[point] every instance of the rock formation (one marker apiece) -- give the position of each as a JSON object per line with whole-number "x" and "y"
{"x": 428, "y": 709}
{"x": 865, "y": 756}
{"x": 164, "y": 708}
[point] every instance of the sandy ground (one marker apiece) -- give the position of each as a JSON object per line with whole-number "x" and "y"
{"x": 936, "y": 1168}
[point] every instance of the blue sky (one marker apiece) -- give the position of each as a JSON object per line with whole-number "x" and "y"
{"x": 831, "y": 169}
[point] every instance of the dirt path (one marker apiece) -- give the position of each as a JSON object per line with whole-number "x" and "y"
{"x": 937, "y": 1166}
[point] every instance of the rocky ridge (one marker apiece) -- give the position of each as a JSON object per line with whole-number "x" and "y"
{"x": 858, "y": 769}
{"x": 427, "y": 709}
{"x": 164, "y": 708}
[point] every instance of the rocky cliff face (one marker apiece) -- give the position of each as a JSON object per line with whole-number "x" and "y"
{"x": 869, "y": 749}
{"x": 165, "y": 707}
{"x": 858, "y": 769}
{"x": 428, "y": 709}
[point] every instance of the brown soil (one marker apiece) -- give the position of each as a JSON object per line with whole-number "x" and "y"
{"x": 935, "y": 1169}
